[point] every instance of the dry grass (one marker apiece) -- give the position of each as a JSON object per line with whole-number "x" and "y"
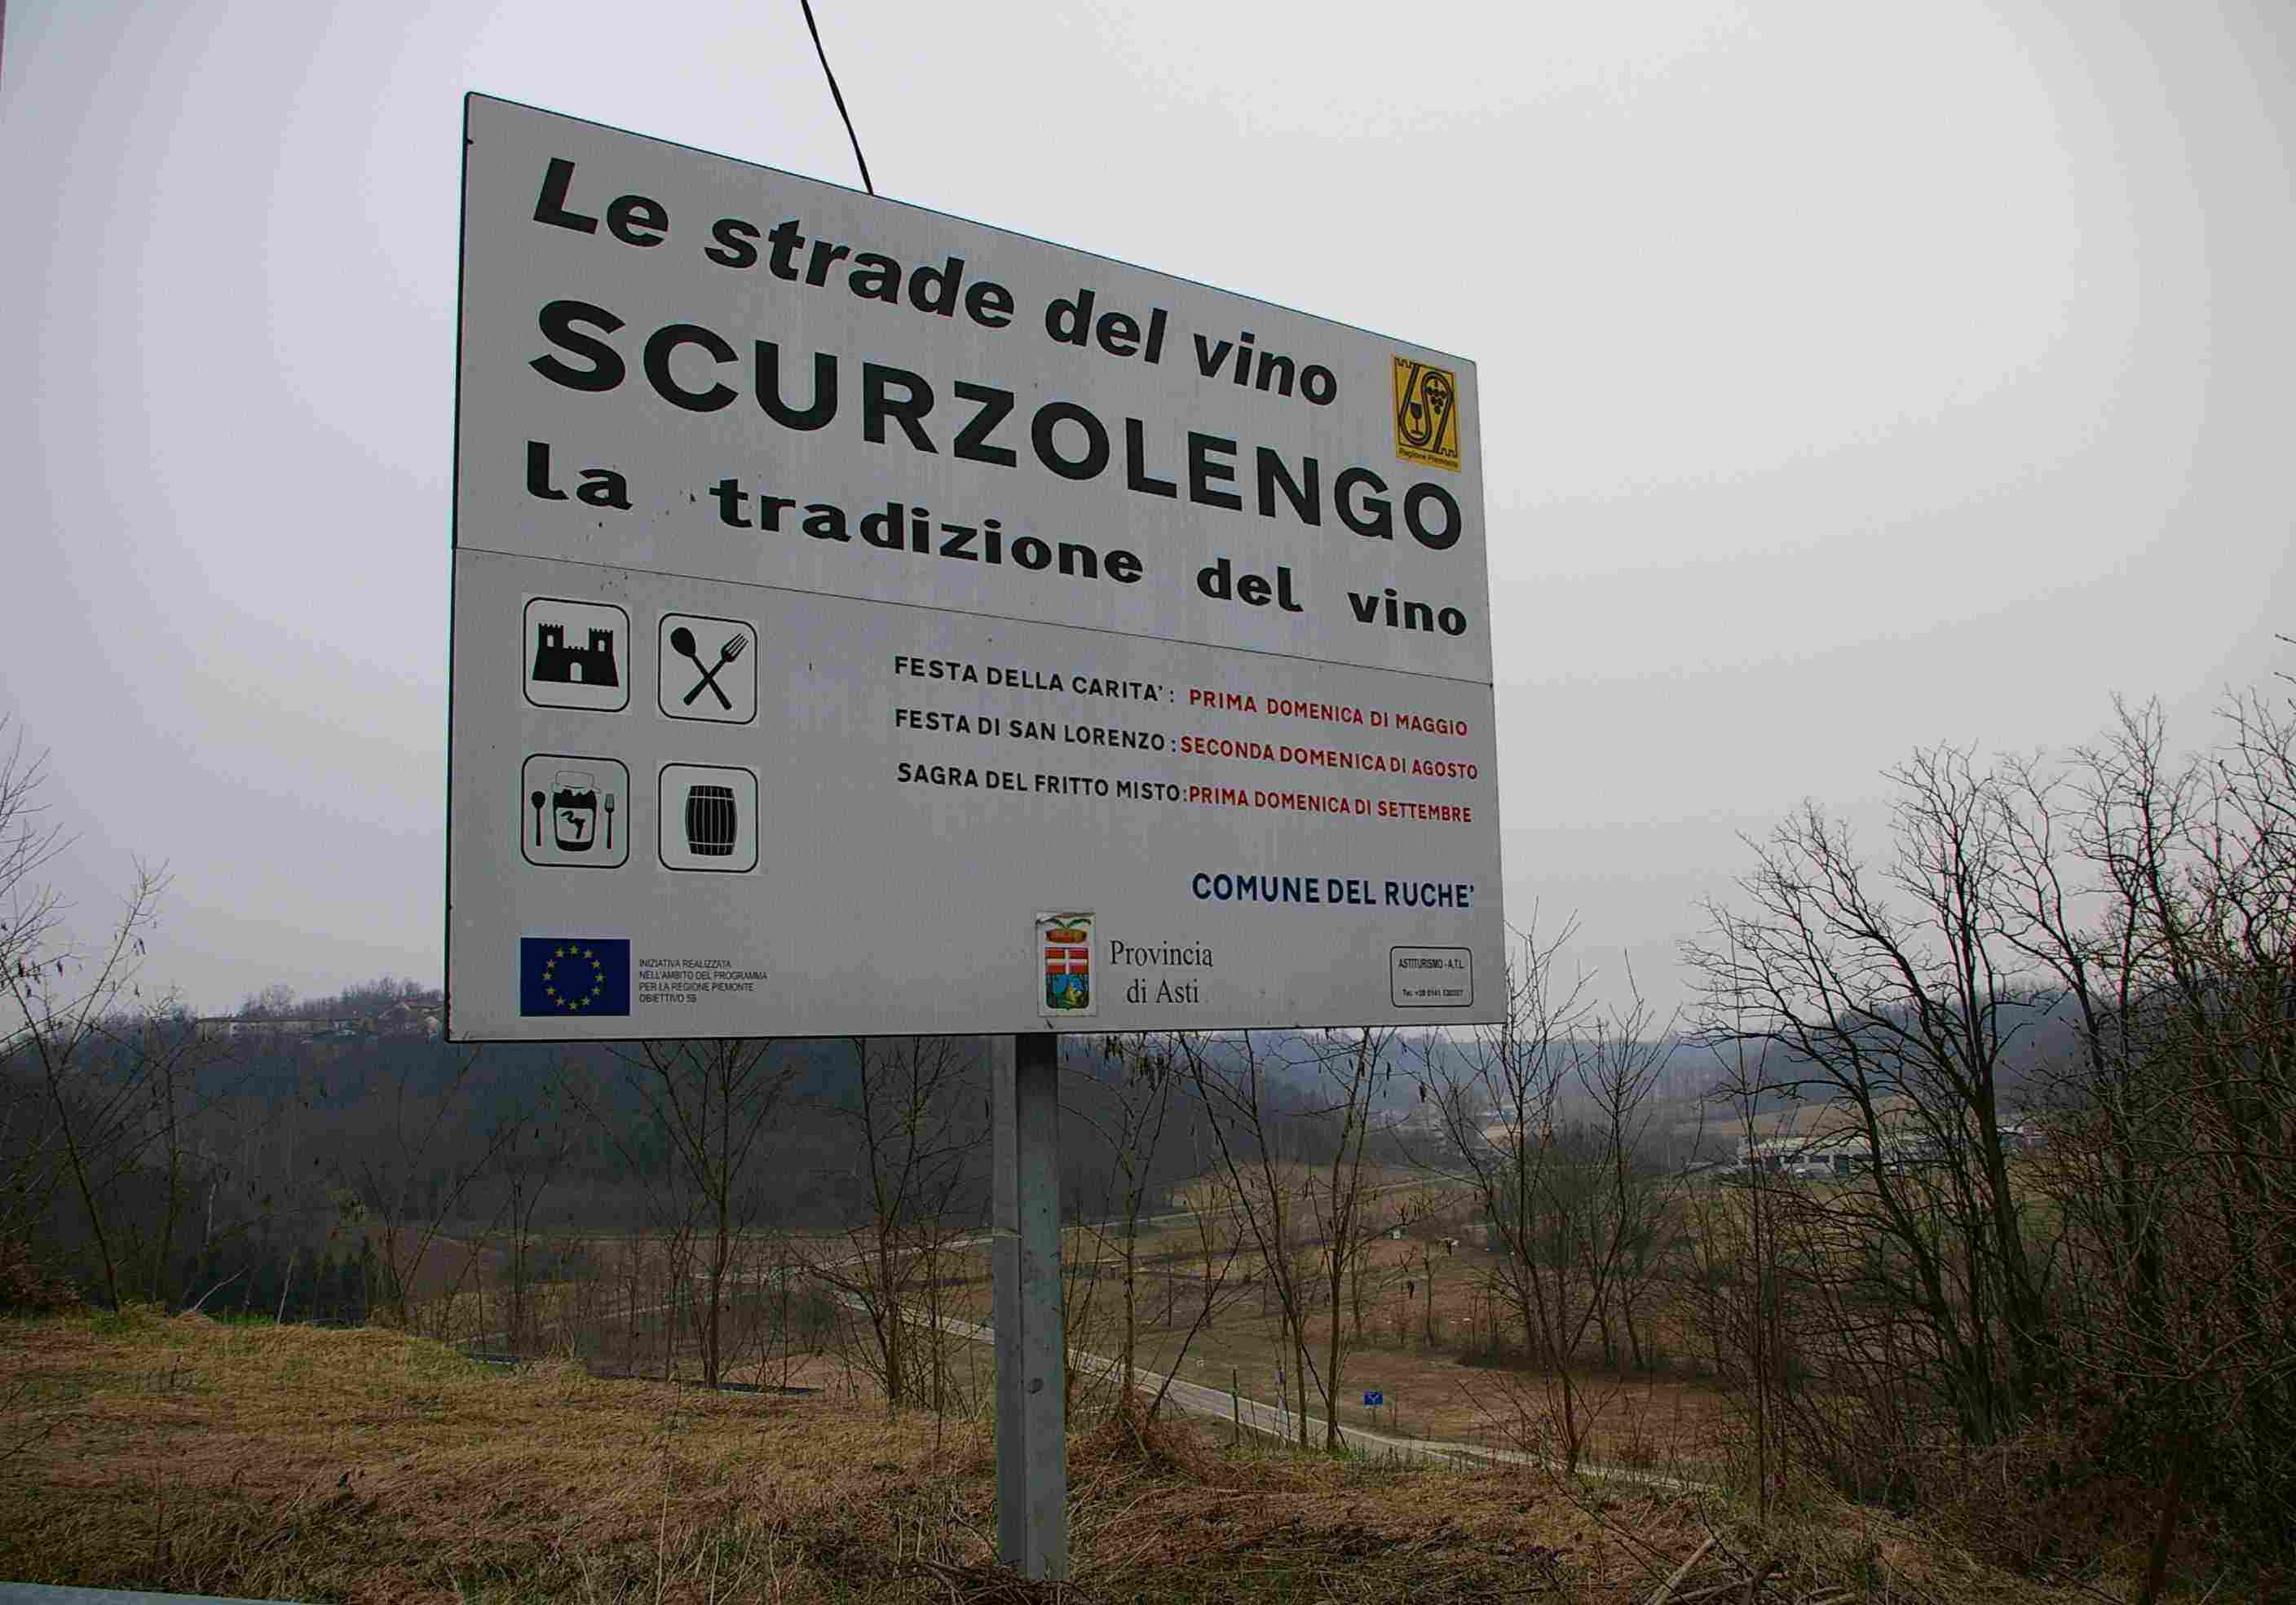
{"x": 375, "y": 1465}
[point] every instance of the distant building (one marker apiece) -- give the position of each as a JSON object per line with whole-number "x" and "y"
{"x": 1421, "y": 1122}
{"x": 1846, "y": 1152}
{"x": 226, "y": 1027}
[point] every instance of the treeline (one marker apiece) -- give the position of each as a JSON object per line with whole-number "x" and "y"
{"x": 150, "y": 1160}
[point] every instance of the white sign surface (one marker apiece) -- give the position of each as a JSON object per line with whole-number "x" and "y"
{"x": 870, "y": 622}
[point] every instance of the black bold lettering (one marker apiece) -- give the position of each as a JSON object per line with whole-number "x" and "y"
{"x": 560, "y": 321}
{"x": 1415, "y": 518}
{"x": 1118, "y": 333}
{"x": 1374, "y": 517}
{"x": 1136, "y": 476}
{"x": 1070, "y": 321}
{"x": 877, "y": 277}
{"x": 768, "y": 383}
{"x": 637, "y": 221}
{"x": 1095, "y": 457}
{"x": 732, "y": 249}
{"x": 972, "y": 439}
{"x": 908, "y": 412}
{"x": 785, "y": 241}
{"x": 550, "y": 206}
{"x": 988, "y": 304}
{"x": 935, "y": 289}
{"x": 1202, "y": 471}
{"x": 603, "y": 487}
{"x": 730, "y": 497}
{"x": 537, "y": 473}
{"x": 1306, "y": 494}
{"x": 668, "y": 339}
{"x": 825, "y": 252}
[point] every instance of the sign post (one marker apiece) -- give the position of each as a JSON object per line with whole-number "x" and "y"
{"x": 1032, "y": 1468}
{"x": 868, "y": 623}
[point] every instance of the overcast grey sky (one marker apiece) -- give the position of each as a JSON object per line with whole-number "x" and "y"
{"x": 1853, "y": 377}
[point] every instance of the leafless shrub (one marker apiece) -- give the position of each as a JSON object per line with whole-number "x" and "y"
{"x": 2051, "y": 1033}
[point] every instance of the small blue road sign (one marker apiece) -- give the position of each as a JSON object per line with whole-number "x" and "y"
{"x": 1372, "y": 1396}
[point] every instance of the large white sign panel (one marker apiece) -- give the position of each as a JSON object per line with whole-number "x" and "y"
{"x": 869, "y": 622}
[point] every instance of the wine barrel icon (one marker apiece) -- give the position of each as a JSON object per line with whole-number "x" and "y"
{"x": 712, "y": 822}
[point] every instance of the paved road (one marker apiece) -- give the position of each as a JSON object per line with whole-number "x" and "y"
{"x": 1280, "y": 1422}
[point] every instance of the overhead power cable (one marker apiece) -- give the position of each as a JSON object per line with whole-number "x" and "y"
{"x": 836, "y": 94}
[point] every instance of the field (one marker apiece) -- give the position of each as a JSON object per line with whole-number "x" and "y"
{"x": 1419, "y": 1335}
{"x": 1426, "y": 1335}
{"x": 1424, "y": 1306}
{"x": 240, "y": 1458}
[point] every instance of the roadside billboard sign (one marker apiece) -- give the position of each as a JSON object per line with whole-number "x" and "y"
{"x": 869, "y": 621}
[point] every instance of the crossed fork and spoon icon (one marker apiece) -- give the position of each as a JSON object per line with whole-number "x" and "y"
{"x": 681, "y": 641}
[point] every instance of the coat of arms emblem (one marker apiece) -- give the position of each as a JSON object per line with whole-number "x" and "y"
{"x": 1065, "y": 945}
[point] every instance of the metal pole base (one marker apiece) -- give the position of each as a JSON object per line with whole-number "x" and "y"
{"x": 1032, "y": 1457}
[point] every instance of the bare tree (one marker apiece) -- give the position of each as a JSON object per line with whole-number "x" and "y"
{"x": 114, "y": 1075}
{"x": 1891, "y": 994}
{"x": 1290, "y": 1121}
{"x": 912, "y": 1107}
{"x": 1138, "y": 1093}
{"x": 404, "y": 1191}
{"x": 712, "y": 1104}
{"x": 69, "y": 1001}
{"x": 1355, "y": 1074}
{"x": 1236, "y": 1078}
{"x": 2172, "y": 1122}
{"x": 1139, "y": 1078}
{"x": 1735, "y": 1268}
{"x": 1547, "y": 1115}
{"x": 2048, "y": 1037}
{"x": 530, "y": 1158}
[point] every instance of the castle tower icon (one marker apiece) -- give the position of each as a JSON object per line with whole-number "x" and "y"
{"x": 557, "y": 663}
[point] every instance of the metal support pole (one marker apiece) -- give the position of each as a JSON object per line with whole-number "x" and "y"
{"x": 1032, "y": 1456}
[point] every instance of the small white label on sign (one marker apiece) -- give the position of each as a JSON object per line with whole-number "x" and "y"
{"x": 576, "y": 654}
{"x": 1430, "y": 978}
{"x": 708, "y": 668}
{"x": 575, "y": 811}
{"x": 709, "y": 818}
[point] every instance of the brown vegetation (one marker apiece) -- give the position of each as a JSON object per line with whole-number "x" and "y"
{"x": 288, "y": 1462}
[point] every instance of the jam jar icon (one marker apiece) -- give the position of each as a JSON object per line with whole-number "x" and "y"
{"x": 574, "y": 810}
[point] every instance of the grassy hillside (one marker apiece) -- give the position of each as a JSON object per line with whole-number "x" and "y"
{"x": 140, "y": 1451}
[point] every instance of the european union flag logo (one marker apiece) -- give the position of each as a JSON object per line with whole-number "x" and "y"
{"x": 573, "y": 975}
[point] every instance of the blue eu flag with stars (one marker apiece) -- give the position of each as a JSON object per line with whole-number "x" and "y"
{"x": 573, "y": 975}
